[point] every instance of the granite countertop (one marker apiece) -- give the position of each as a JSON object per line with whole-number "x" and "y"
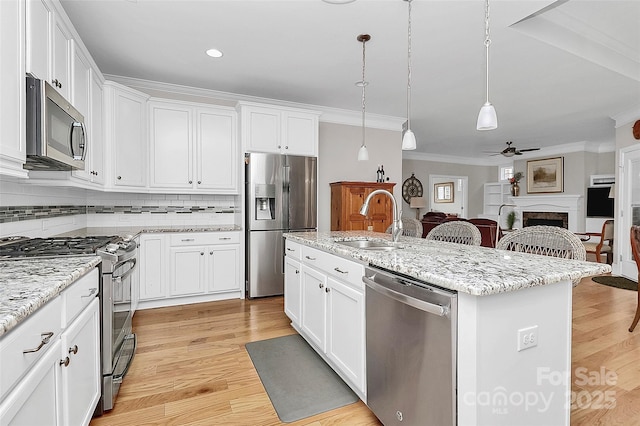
{"x": 137, "y": 230}
{"x": 27, "y": 284}
{"x": 475, "y": 270}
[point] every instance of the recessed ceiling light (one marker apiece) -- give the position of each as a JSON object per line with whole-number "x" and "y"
{"x": 214, "y": 53}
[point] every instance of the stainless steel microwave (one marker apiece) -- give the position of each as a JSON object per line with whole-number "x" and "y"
{"x": 55, "y": 133}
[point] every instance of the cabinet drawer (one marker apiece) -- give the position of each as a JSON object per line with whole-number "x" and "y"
{"x": 79, "y": 295}
{"x": 293, "y": 250}
{"x": 205, "y": 238}
{"x": 346, "y": 270}
{"x": 30, "y": 335}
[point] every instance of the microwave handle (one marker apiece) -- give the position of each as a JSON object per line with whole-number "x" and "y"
{"x": 75, "y": 127}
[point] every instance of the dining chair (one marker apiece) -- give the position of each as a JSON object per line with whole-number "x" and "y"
{"x": 410, "y": 227}
{"x": 461, "y": 232}
{"x": 635, "y": 250}
{"x": 604, "y": 246}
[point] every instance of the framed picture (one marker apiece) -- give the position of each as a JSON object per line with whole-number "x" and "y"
{"x": 545, "y": 175}
{"x": 443, "y": 192}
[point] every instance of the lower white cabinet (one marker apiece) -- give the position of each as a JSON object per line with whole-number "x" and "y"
{"x": 332, "y": 310}
{"x": 177, "y": 268}
{"x": 62, "y": 387}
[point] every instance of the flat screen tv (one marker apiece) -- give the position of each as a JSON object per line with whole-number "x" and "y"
{"x": 598, "y": 202}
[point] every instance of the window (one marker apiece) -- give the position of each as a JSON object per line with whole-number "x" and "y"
{"x": 506, "y": 173}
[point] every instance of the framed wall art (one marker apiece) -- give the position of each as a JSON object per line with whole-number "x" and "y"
{"x": 443, "y": 192}
{"x": 546, "y": 175}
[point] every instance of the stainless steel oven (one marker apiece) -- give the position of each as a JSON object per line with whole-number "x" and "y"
{"x": 119, "y": 261}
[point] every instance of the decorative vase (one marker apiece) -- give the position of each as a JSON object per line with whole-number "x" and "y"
{"x": 515, "y": 189}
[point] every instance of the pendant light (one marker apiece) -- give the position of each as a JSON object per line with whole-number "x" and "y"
{"x": 487, "y": 118}
{"x": 363, "y": 153}
{"x": 409, "y": 139}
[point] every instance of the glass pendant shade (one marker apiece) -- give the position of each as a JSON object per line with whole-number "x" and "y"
{"x": 487, "y": 118}
{"x": 408, "y": 140}
{"x": 363, "y": 153}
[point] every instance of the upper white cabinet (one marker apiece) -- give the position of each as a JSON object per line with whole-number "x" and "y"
{"x": 48, "y": 46}
{"x": 125, "y": 133}
{"x": 193, "y": 147}
{"x": 279, "y": 130}
{"x": 12, "y": 91}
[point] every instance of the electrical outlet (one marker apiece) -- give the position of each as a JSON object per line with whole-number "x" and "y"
{"x": 527, "y": 338}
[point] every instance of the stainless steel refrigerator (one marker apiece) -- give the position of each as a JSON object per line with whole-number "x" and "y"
{"x": 281, "y": 196}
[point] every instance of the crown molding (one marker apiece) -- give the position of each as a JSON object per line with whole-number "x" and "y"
{"x": 626, "y": 117}
{"x": 328, "y": 114}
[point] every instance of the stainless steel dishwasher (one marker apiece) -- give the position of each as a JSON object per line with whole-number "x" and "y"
{"x": 411, "y": 350}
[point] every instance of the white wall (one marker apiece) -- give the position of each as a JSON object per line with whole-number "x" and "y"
{"x": 338, "y": 161}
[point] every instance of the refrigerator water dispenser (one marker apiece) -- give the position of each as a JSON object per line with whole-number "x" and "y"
{"x": 265, "y": 202}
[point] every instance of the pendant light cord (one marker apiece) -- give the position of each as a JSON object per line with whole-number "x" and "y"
{"x": 364, "y": 85}
{"x": 409, "y": 69}
{"x": 487, "y": 41}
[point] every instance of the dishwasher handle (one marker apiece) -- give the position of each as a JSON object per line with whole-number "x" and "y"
{"x": 407, "y": 300}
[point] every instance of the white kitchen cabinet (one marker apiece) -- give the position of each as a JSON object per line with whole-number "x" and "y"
{"x": 81, "y": 376}
{"x": 12, "y": 91}
{"x": 292, "y": 288}
{"x": 152, "y": 261}
{"x": 135, "y": 280}
{"x": 60, "y": 76}
{"x": 81, "y": 82}
{"x": 96, "y": 131}
{"x": 188, "y": 270}
{"x": 126, "y": 136}
{"x": 279, "y": 130}
{"x": 332, "y": 309}
{"x": 314, "y": 306}
{"x": 224, "y": 268}
{"x": 193, "y": 147}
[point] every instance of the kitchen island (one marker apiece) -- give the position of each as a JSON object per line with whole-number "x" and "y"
{"x": 501, "y": 296}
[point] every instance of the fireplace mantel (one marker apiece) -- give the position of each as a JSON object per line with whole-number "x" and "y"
{"x": 560, "y": 203}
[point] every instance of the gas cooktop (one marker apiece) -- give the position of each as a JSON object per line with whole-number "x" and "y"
{"x": 17, "y": 247}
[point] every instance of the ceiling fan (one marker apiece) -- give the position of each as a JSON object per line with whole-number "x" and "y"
{"x": 510, "y": 151}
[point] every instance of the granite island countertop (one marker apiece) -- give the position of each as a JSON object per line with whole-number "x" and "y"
{"x": 475, "y": 270}
{"x": 27, "y": 284}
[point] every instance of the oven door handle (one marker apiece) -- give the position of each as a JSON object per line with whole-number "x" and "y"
{"x": 126, "y": 274}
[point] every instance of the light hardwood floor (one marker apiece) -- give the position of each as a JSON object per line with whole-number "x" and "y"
{"x": 191, "y": 367}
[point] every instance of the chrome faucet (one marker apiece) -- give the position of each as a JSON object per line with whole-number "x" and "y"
{"x": 396, "y": 228}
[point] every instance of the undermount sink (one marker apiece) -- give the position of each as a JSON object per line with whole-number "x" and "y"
{"x": 370, "y": 244}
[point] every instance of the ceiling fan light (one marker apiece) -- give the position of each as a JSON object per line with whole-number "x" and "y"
{"x": 487, "y": 118}
{"x": 508, "y": 154}
{"x": 408, "y": 141}
{"x": 363, "y": 154}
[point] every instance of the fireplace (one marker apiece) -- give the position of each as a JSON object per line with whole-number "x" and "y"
{"x": 559, "y": 219}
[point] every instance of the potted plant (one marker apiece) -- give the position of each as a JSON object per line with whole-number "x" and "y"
{"x": 515, "y": 188}
{"x": 511, "y": 219}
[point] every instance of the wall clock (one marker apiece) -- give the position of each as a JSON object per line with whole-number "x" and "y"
{"x": 636, "y": 130}
{"x": 411, "y": 187}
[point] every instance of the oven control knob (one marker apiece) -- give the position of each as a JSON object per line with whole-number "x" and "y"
{"x": 112, "y": 248}
{"x": 127, "y": 238}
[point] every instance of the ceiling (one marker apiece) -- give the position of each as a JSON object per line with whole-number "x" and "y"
{"x": 559, "y": 70}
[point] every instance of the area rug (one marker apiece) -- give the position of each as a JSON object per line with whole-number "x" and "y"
{"x": 299, "y": 383}
{"x": 618, "y": 282}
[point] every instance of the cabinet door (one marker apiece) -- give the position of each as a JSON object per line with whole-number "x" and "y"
{"x": 128, "y": 138}
{"x": 187, "y": 270}
{"x": 224, "y": 263}
{"x": 313, "y": 305}
{"x": 60, "y": 66}
{"x": 261, "y": 129}
{"x": 35, "y": 400}
{"x": 96, "y": 131}
{"x": 152, "y": 264}
{"x": 81, "y": 101}
{"x": 355, "y": 196}
{"x": 300, "y": 134}
{"x": 38, "y": 38}
{"x": 292, "y": 289}
{"x": 346, "y": 330}
{"x": 135, "y": 284}
{"x": 217, "y": 150}
{"x": 171, "y": 145}
{"x": 12, "y": 91}
{"x": 380, "y": 212}
{"x": 80, "y": 378}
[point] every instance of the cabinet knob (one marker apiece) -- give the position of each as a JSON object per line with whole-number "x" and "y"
{"x": 201, "y": 253}
{"x": 57, "y": 83}
{"x": 297, "y": 272}
{"x": 190, "y": 181}
{"x": 327, "y": 290}
{"x": 65, "y": 361}
{"x": 211, "y": 253}
{"x": 119, "y": 177}
{"x": 286, "y": 147}
{"x": 73, "y": 349}
{"x": 279, "y": 146}
{"x": 199, "y": 182}
{"x": 321, "y": 285}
